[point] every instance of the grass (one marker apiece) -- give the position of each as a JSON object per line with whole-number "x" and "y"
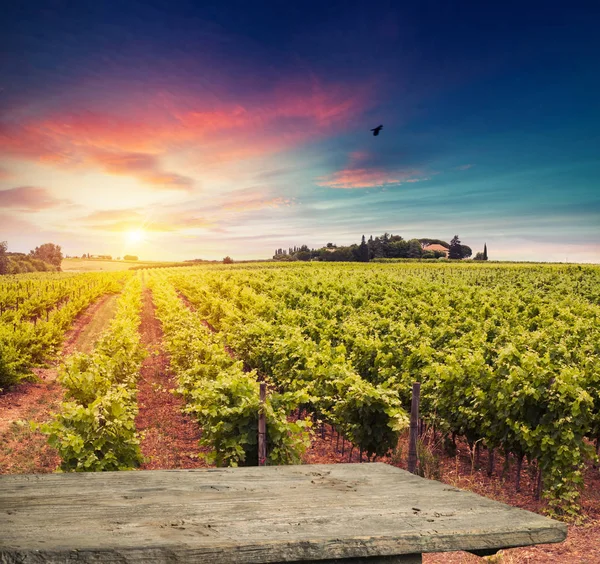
{"x": 97, "y": 324}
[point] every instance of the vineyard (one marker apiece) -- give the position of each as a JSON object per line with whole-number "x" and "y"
{"x": 508, "y": 357}
{"x": 35, "y": 312}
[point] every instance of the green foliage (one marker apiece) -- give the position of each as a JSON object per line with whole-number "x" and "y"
{"x": 4, "y": 262}
{"x": 363, "y": 251}
{"x": 507, "y": 355}
{"x": 227, "y": 411}
{"x": 99, "y": 436}
{"x": 36, "y": 311}
{"x": 48, "y": 252}
{"x": 370, "y": 416}
{"x": 220, "y": 395}
{"x": 465, "y": 251}
{"x": 95, "y": 429}
{"x": 455, "y": 250}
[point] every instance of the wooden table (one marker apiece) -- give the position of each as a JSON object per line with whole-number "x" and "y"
{"x": 363, "y": 512}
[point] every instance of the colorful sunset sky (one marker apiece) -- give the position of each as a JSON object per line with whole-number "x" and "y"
{"x": 180, "y": 130}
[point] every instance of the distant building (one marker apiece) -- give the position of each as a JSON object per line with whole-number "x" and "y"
{"x": 436, "y": 247}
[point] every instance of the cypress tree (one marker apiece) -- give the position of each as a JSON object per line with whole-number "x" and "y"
{"x": 485, "y": 251}
{"x": 363, "y": 251}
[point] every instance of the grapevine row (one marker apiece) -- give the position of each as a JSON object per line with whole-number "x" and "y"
{"x": 220, "y": 395}
{"x": 95, "y": 428}
{"x": 508, "y": 357}
{"x": 24, "y": 344}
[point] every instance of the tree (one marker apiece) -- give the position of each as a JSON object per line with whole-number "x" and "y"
{"x": 398, "y": 249}
{"x": 227, "y": 260}
{"x": 414, "y": 249}
{"x": 48, "y": 252}
{"x": 363, "y": 251}
{"x": 466, "y": 251}
{"x": 455, "y": 251}
{"x": 482, "y": 256}
{"x": 129, "y": 257}
{"x": 376, "y": 249}
{"x": 4, "y": 262}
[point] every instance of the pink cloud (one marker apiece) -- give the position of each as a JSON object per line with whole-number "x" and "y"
{"x": 4, "y": 173}
{"x": 367, "y": 178}
{"x": 125, "y": 163}
{"x": 251, "y": 199}
{"x": 168, "y": 179}
{"x": 145, "y": 167}
{"x": 289, "y": 115}
{"x": 29, "y": 198}
{"x": 360, "y": 174}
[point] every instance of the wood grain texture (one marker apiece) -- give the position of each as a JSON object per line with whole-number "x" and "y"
{"x": 251, "y": 515}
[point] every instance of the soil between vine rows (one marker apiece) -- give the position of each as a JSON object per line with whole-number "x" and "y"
{"x": 170, "y": 438}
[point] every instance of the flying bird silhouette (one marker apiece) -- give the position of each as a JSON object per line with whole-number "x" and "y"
{"x": 377, "y": 130}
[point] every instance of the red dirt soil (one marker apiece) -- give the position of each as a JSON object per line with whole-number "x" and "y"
{"x": 23, "y": 450}
{"x": 170, "y": 438}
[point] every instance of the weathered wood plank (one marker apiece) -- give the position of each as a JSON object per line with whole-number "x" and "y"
{"x": 251, "y": 515}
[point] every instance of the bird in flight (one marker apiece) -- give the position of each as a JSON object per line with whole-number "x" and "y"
{"x": 377, "y": 130}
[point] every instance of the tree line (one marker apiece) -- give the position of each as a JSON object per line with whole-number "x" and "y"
{"x": 385, "y": 246}
{"x": 46, "y": 257}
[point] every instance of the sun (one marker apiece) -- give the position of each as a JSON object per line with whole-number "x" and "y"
{"x": 135, "y": 236}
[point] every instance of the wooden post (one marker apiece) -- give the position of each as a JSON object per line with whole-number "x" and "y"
{"x": 518, "y": 477}
{"x": 539, "y": 484}
{"x": 490, "y": 467}
{"x": 414, "y": 427}
{"x": 262, "y": 427}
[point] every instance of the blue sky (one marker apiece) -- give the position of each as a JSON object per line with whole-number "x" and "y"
{"x": 178, "y": 130}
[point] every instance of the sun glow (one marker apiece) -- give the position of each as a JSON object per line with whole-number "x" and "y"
{"x": 135, "y": 236}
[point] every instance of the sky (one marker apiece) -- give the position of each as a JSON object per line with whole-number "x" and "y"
{"x": 181, "y": 130}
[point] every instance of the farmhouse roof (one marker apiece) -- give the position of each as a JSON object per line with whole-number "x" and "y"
{"x": 435, "y": 247}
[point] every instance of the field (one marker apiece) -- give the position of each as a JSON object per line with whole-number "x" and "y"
{"x": 170, "y": 361}
{"x": 93, "y": 265}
